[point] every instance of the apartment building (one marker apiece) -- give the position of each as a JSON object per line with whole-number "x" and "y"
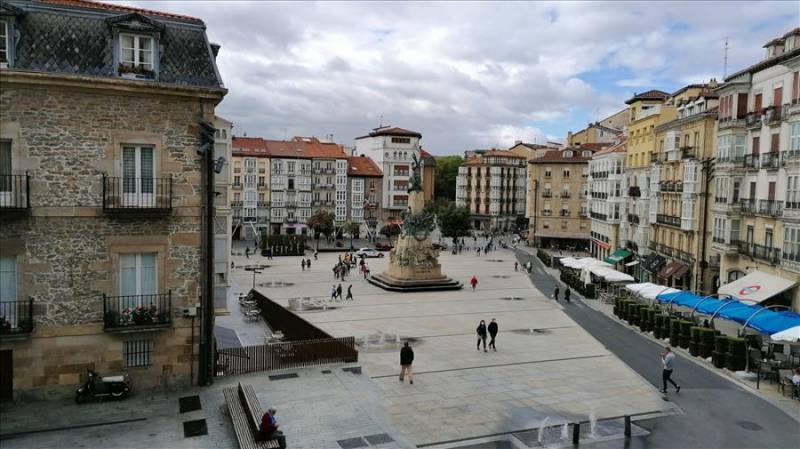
{"x": 223, "y": 212}
{"x": 100, "y": 210}
{"x": 680, "y": 178}
{"x": 756, "y": 207}
{"x": 492, "y": 186}
{"x": 647, "y": 110}
{"x": 393, "y": 150}
{"x": 606, "y": 202}
{"x": 365, "y": 183}
{"x": 557, "y": 197}
{"x": 531, "y": 150}
{"x": 249, "y": 192}
{"x": 607, "y": 130}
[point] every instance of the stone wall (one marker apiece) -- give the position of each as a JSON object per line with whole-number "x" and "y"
{"x": 68, "y": 248}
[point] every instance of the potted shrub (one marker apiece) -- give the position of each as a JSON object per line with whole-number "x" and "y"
{"x": 735, "y": 356}
{"x": 694, "y": 342}
{"x": 686, "y": 335}
{"x": 706, "y": 341}
{"x": 720, "y": 348}
{"x": 675, "y": 332}
{"x": 658, "y": 325}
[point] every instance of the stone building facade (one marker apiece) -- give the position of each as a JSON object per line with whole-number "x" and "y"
{"x": 365, "y": 181}
{"x": 106, "y": 215}
{"x": 605, "y": 199}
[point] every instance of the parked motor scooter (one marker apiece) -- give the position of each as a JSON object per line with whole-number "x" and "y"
{"x": 96, "y": 387}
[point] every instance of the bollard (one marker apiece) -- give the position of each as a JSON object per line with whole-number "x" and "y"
{"x": 627, "y": 426}
{"x": 576, "y": 433}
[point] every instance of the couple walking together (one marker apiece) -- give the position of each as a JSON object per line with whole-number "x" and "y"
{"x": 482, "y": 330}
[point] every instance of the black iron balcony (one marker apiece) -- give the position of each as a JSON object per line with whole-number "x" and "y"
{"x": 774, "y": 114}
{"x": 751, "y": 161}
{"x": 633, "y": 218}
{"x": 547, "y": 213}
{"x": 547, "y": 194}
{"x": 792, "y": 205}
{"x": 634, "y": 191}
{"x": 668, "y": 220}
{"x": 237, "y": 204}
{"x": 137, "y": 195}
{"x": 749, "y": 206}
{"x": 790, "y": 156}
{"x": 770, "y": 207}
{"x": 565, "y": 195}
{"x": 14, "y": 193}
{"x": 688, "y": 152}
{"x": 16, "y": 317}
{"x": 137, "y": 311}
{"x": 564, "y": 213}
{"x": 753, "y": 120}
{"x": 599, "y": 216}
{"x": 761, "y": 252}
{"x": 771, "y": 160}
{"x": 679, "y": 186}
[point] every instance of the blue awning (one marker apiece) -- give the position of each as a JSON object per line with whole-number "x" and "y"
{"x": 764, "y": 321}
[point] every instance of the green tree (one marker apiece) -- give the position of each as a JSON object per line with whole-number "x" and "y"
{"x": 446, "y": 173}
{"x": 352, "y": 228}
{"x": 454, "y": 221}
{"x": 322, "y": 223}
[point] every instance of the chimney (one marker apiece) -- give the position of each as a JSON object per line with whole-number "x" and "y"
{"x": 215, "y": 49}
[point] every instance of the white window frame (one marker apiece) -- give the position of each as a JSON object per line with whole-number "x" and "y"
{"x": 137, "y": 48}
{"x": 138, "y": 192}
{"x": 139, "y": 272}
{"x": 5, "y": 51}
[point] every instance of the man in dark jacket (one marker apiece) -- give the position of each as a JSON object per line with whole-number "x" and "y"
{"x": 492, "y": 328}
{"x": 406, "y": 359}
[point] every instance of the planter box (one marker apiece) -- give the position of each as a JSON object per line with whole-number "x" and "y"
{"x": 718, "y": 359}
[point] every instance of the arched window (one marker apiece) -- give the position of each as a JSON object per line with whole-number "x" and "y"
{"x": 735, "y": 274}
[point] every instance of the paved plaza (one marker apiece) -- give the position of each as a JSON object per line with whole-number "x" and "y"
{"x": 546, "y": 367}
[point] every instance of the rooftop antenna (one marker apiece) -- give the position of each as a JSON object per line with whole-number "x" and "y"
{"x": 725, "y": 64}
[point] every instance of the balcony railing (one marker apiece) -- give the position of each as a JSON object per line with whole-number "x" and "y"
{"x": 775, "y": 114}
{"x": 668, "y": 220}
{"x": 761, "y": 252}
{"x": 137, "y": 311}
{"x": 770, "y": 207}
{"x": 654, "y": 158}
{"x": 790, "y": 156}
{"x": 14, "y": 192}
{"x": 599, "y": 216}
{"x": 749, "y": 206}
{"x": 731, "y": 122}
{"x": 688, "y": 152}
{"x": 633, "y": 218}
{"x": 753, "y": 120}
{"x": 565, "y": 195}
{"x": 16, "y": 317}
{"x": 149, "y": 195}
{"x": 564, "y": 213}
{"x": 237, "y": 204}
{"x": 751, "y": 161}
{"x": 599, "y": 195}
{"x": 634, "y": 191}
{"x": 771, "y": 160}
{"x": 547, "y": 213}
{"x": 547, "y": 194}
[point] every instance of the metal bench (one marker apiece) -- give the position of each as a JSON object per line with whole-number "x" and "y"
{"x": 246, "y": 413}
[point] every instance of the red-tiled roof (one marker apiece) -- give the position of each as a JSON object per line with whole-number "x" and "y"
{"x": 424, "y": 154}
{"x": 363, "y": 166}
{"x": 620, "y": 147}
{"x": 393, "y": 131}
{"x": 298, "y": 147}
{"x": 557, "y": 156}
{"x": 649, "y": 95}
{"x": 124, "y": 9}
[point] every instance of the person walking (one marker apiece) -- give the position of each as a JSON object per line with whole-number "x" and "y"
{"x": 567, "y": 293}
{"x": 668, "y": 363}
{"x": 339, "y": 291}
{"x": 479, "y": 251}
{"x": 492, "y": 328}
{"x": 555, "y": 293}
{"x": 481, "y": 330}
{"x": 333, "y": 292}
{"x": 303, "y": 264}
{"x": 315, "y": 254}
{"x": 406, "y": 359}
{"x": 350, "y": 292}
{"x": 308, "y": 263}
{"x": 247, "y": 252}
{"x": 516, "y": 266}
{"x": 473, "y": 282}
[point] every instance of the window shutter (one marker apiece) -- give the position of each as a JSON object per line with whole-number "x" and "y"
{"x": 127, "y": 276}
{"x": 756, "y": 145}
{"x": 757, "y": 103}
{"x": 776, "y": 140}
{"x": 148, "y": 274}
{"x": 796, "y": 86}
{"x": 741, "y": 106}
{"x": 777, "y": 99}
{"x": 771, "y": 191}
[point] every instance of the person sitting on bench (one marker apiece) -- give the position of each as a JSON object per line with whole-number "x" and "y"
{"x": 269, "y": 427}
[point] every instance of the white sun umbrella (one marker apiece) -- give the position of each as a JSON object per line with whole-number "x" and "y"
{"x": 791, "y": 335}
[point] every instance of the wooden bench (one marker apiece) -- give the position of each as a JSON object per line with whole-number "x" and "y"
{"x": 246, "y": 413}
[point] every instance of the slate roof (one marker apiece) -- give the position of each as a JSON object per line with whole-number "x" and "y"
{"x": 363, "y": 166}
{"x": 75, "y": 37}
{"x": 393, "y": 131}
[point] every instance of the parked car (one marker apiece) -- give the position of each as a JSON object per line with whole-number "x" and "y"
{"x": 383, "y": 246}
{"x": 368, "y": 252}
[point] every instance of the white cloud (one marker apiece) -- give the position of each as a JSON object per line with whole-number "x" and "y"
{"x": 503, "y": 136}
{"x": 460, "y": 72}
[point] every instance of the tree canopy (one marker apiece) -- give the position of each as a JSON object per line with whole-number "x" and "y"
{"x": 453, "y": 221}
{"x": 446, "y": 172}
{"x": 322, "y": 222}
{"x": 390, "y": 230}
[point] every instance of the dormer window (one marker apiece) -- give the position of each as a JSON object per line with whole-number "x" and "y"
{"x": 587, "y": 154}
{"x": 136, "y": 52}
{"x": 567, "y": 154}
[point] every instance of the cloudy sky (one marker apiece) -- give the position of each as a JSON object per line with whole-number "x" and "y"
{"x": 466, "y": 75}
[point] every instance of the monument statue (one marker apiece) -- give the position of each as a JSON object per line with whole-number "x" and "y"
{"x": 414, "y": 262}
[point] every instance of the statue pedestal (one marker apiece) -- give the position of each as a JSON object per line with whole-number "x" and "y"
{"x": 414, "y": 266}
